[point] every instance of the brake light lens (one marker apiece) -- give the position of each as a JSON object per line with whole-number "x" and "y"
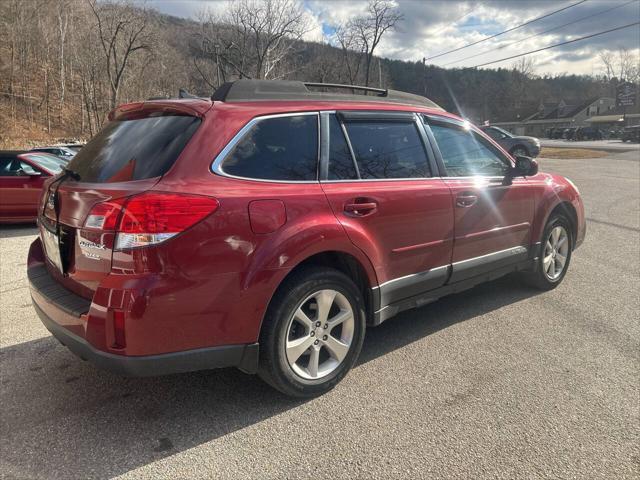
{"x": 104, "y": 216}
{"x": 150, "y": 218}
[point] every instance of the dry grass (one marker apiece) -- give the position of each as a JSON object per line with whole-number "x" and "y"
{"x": 17, "y": 132}
{"x": 549, "y": 152}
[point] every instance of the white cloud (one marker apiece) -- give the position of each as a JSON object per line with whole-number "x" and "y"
{"x": 333, "y": 13}
{"x": 431, "y": 27}
{"x": 314, "y": 33}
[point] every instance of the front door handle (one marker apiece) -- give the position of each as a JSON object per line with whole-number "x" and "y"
{"x": 356, "y": 209}
{"x": 466, "y": 200}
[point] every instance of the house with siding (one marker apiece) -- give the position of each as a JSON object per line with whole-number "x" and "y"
{"x": 562, "y": 114}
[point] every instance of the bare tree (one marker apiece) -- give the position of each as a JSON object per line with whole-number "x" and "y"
{"x": 65, "y": 63}
{"x": 62, "y": 12}
{"x": 525, "y": 66}
{"x": 207, "y": 58}
{"x": 608, "y": 64}
{"x": 262, "y": 34}
{"x": 324, "y": 65}
{"x": 122, "y": 30}
{"x": 621, "y": 66}
{"x": 352, "y": 47}
{"x": 382, "y": 16}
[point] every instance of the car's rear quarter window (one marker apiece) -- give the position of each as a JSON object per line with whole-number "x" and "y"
{"x": 278, "y": 148}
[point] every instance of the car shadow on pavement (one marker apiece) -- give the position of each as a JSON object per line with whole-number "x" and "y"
{"x": 9, "y": 231}
{"x": 62, "y": 418}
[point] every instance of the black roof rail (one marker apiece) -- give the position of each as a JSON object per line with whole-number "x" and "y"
{"x": 246, "y": 90}
{"x": 382, "y": 92}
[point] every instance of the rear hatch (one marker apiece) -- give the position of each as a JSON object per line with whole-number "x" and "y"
{"x": 79, "y": 212}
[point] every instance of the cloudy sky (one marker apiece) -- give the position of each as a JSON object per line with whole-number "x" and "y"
{"x": 431, "y": 27}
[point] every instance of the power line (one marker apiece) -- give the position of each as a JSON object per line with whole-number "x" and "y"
{"x": 541, "y": 33}
{"x": 473, "y": 9}
{"x": 506, "y": 31}
{"x": 558, "y": 44}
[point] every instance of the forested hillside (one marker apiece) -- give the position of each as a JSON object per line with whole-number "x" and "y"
{"x": 65, "y": 63}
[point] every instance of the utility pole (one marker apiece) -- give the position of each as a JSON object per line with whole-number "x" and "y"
{"x": 424, "y": 69}
{"x": 218, "y": 83}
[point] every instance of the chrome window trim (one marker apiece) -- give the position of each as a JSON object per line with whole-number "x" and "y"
{"x": 216, "y": 166}
{"x": 473, "y": 177}
{"x": 358, "y": 180}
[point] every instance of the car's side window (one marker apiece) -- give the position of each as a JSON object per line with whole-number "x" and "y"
{"x": 4, "y": 167}
{"x": 388, "y": 149}
{"x": 9, "y": 167}
{"x": 465, "y": 153}
{"x": 278, "y": 148}
{"x": 341, "y": 166}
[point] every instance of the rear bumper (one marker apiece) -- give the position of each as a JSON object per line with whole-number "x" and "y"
{"x": 62, "y": 313}
{"x": 242, "y": 356}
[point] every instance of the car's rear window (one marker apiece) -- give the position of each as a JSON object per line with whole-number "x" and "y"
{"x": 134, "y": 149}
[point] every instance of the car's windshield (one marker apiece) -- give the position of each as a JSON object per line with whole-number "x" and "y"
{"x": 501, "y": 130}
{"x": 67, "y": 152}
{"x": 48, "y": 162}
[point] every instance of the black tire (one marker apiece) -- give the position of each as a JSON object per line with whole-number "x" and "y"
{"x": 538, "y": 278}
{"x": 274, "y": 367}
{"x": 519, "y": 148}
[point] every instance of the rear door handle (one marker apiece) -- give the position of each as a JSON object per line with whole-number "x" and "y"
{"x": 466, "y": 200}
{"x": 360, "y": 209}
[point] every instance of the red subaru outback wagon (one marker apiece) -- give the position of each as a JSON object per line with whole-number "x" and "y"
{"x": 266, "y": 227}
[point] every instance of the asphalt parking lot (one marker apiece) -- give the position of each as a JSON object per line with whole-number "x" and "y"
{"x": 498, "y": 382}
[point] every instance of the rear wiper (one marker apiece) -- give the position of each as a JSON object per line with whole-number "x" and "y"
{"x": 65, "y": 173}
{"x": 68, "y": 173}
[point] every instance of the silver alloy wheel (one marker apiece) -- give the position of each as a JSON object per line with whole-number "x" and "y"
{"x": 555, "y": 252}
{"x": 319, "y": 334}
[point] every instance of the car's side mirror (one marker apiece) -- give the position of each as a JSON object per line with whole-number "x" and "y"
{"x": 525, "y": 167}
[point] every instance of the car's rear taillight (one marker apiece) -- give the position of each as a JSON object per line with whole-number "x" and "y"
{"x": 104, "y": 216}
{"x": 154, "y": 217}
{"x": 149, "y": 218}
